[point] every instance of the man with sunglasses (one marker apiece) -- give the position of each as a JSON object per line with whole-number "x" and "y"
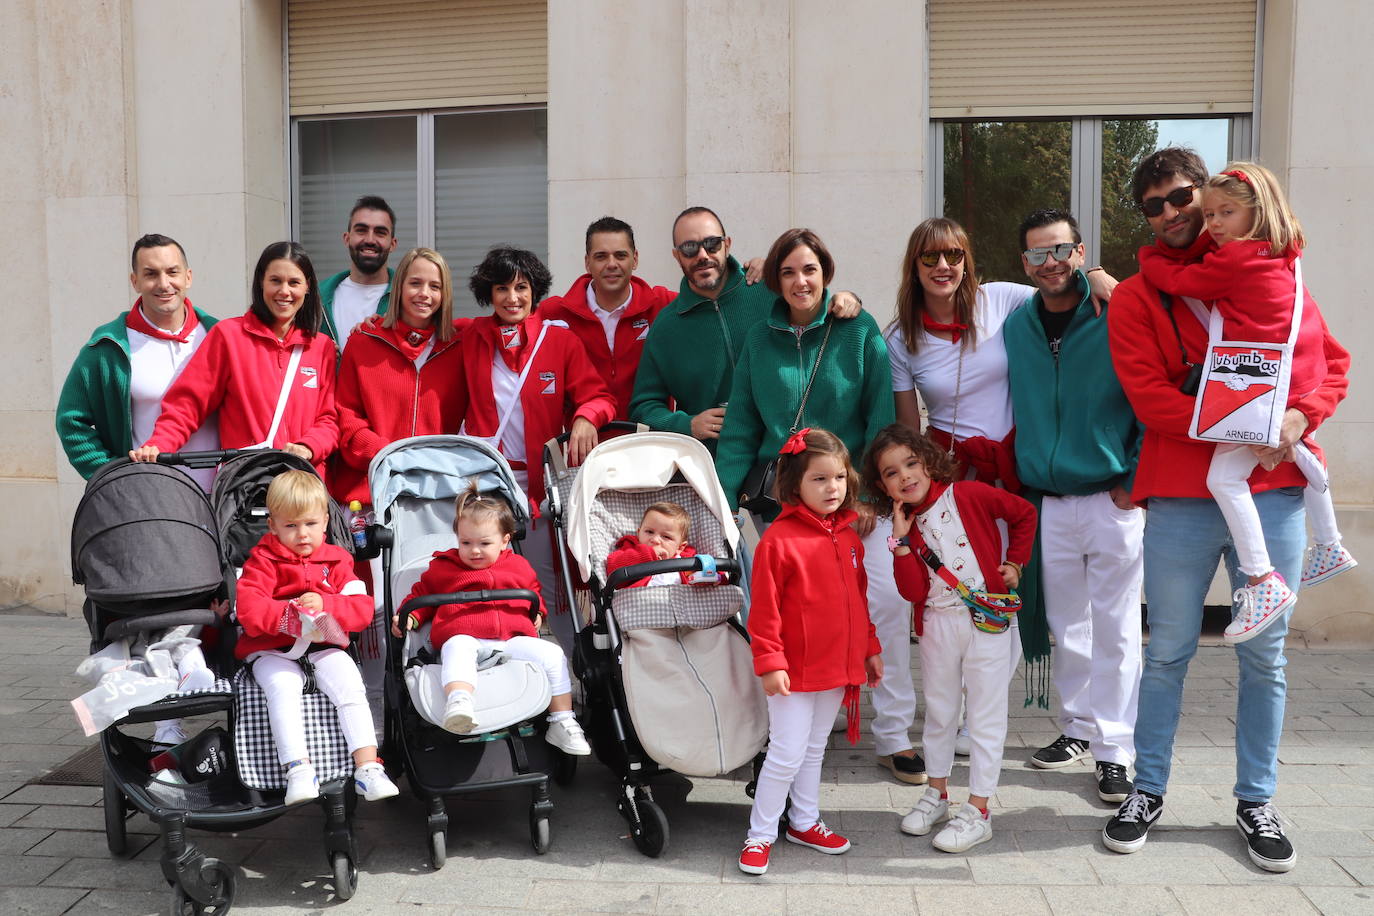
{"x": 1155, "y": 340}
{"x": 1076, "y": 447}
{"x": 688, "y": 364}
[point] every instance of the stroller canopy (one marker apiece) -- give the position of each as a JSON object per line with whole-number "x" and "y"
{"x": 144, "y": 540}
{"x": 643, "y": 461}
{"x": 240, "y": 501}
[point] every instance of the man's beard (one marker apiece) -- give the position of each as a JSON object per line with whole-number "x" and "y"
{"x": 367, "y": 262}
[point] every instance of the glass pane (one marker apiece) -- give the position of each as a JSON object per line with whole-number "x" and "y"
{"x": 340, "y": 162}
{"x": 1124, "y": 144}
{"x": 997, "y": 172}
{"x": 490, "y": 188}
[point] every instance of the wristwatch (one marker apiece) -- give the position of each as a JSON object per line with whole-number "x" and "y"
{"x": 894, "y": 543}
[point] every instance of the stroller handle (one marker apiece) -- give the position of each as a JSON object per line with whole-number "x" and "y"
{"x": 486, "y": 594}
{"x": 627, "y": 574}
{"x": 128, "y": 626}
{"x": 199, "y": 459}
{"x": 624, "y": 426}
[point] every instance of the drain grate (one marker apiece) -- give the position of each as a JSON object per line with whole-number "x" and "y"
{"x": 84, "y": 768}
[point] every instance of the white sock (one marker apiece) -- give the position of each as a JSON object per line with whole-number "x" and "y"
{"x": 561, "y": 715}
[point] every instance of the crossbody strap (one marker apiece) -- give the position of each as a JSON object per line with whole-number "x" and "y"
{"x": 292, "y": 365}
{"x": 815, "y": 367}
{"x": 520, "y": 382}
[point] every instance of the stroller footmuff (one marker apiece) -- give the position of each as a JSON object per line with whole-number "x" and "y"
{"x": 509, "y": 690}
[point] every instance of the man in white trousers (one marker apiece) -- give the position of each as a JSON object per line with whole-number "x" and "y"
{"x": 1077, "y": 442}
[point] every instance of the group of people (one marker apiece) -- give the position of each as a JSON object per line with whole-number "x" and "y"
{"x": 1065, "y": 401}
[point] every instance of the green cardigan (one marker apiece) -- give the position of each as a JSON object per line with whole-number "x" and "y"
{"x": 327, "y": 289}
{"x": 851, "y": 397}
{"x": 94, "y": 417}
{"x": 693, "y": 347}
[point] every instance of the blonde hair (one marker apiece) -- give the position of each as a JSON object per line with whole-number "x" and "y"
{"x": 1256, "y": 188}
{"x": 442, "y": 320}
{"x": 293, "y": 494}
{"x": 476, "y": 508}
{"x": 673, "y": 512}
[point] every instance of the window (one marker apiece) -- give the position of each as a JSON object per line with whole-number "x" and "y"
{"x": 459, "y": 182}
{"x": 989, "y": 175}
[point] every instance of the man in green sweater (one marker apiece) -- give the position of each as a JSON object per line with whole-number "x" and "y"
{"x": 689, "y": 359}
{"x": 352, "y": 295}
{"x": 1077, "y": 442}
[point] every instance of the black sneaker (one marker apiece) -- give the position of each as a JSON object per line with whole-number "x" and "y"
{"x": 1061, "y": 753}
{"x": 1112, "y": 783}
{"x": 1127, "y": 829}
{"x": 1262, "y": 827}
{"x": 910, "y": 770}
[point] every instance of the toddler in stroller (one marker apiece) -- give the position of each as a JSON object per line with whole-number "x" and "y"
{"x": 483, "y": 560}
{"x": 298, "y": 597}
{"x": 662, "y": 535}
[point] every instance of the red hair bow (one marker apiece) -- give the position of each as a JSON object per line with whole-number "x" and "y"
{"x": 1238, "y": 175}
{"x": 796, "y": 443}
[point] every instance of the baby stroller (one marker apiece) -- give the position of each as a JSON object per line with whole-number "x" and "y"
{"x": 414, "y": 483}
{"x": 666, "y": 671}
{"x": 148, "y": 548}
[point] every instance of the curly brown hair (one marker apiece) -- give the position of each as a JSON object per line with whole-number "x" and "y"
{"x": 792, "y": 468}
{"x": 938, "y": 464}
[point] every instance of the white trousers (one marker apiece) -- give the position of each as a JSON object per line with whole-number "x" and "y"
{"x": 1092, "y": 568}
{"x": 960, "y": 663}
{"x": 458, "y": 658}
{"x": 337, "y": 676}
{"x": 1228, "y": 480}
{"x": 894, "y": 699}
{"x": 798, "y": 728}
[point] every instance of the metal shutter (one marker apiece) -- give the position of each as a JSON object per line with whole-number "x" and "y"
{"x": 993, "y": 59}
{"x": 385, "y": 55}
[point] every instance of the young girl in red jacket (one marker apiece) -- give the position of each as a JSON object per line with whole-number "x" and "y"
{"x": 483, "y": 560}
{"x": 812, "y": 641}
{"x": 1250, "y": 275}
{"x": 911, "y": 478}
{"x": 298, "y": 598}
{"x": 241, "y": 371}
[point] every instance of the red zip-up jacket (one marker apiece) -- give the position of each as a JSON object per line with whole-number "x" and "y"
{"x": 628, "y": 551}
{"x": 618, "y": 368}
{"x": 382, "y": 398}
{"x": 980, "y": 506}
{"x": 1145, "y": 354}
{"x": 238, "y": 371}
{"x": 562, "y": 383}
{"x": 481, "y": 619}
{"x": 273, "y": 574}
{"x": 808, "y": 610}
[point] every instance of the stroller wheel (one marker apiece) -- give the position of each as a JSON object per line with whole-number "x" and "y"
{"x": 651, "y": 833}
{"x": 564, "y": 768}
{"x": 751, "y": 787}
{"x": 438, "y": 854}
{"x": 345, "y": 876}
{"x": 219, "y": 878}
{"x": 539, "y": 831}
{"x": 116, "y": 826}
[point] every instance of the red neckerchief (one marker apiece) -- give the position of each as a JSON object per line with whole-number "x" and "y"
{"x": 956, "y": 328}
{"x": 510, "y": 340}
{"x": 936, "y": 488}
{"x": 137, "y": 321}
{"x": 410, "y": 341}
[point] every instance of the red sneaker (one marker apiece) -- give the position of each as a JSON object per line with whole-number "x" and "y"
{"x": 754, "y": 859}
{"x": 820, "y": 838}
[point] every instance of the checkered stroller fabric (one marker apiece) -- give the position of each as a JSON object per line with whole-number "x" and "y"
{"x": 257, "y": 755}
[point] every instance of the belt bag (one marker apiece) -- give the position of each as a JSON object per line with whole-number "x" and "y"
{"x": 1244, "y": 390}
{"x": 991, "y": 612}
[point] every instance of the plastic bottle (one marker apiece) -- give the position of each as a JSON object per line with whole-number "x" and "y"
{"x": 358, "y": 525}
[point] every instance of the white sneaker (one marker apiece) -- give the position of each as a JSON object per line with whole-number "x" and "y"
{"x": 1257, "y": 606}
{"x": 459, "y": 715}
{"x": 967, "y": 828}
{"x": 196, "y": 679}
{"x": 929, "y": 811}
{"x": 169, "y": 732}
{"x": 372, "y": 783}
{"x": 301, "y": 784}
{"x": 568, "y": 737}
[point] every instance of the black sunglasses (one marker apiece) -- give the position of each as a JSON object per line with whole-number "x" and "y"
{"x": 953, "y": 257}
{"x": 1178, "y": 198}
{"x": 711, "y": 243}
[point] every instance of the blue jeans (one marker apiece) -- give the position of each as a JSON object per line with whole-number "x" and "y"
{"x": 1184, "y": 538}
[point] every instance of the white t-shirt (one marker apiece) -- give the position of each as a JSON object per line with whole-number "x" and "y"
{"x": 980, "y": 386}
{"x": 153, "y": 365}
{"x": 354, "y": 302}
{"x": 943, "y": 531}
{"x": 609, "y": 320}
{"x": 505, "y": 388}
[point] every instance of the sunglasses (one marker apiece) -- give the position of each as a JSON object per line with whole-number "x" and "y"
{"x": 1178, "y": 198}
{"x": 1037, "y": 256}
{"x": 953, "y": 257}
{"x": 711, "y": 243}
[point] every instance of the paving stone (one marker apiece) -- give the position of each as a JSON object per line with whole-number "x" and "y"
{"x": 27, "y": 871}
{"x": 593, "y": 896}
{"x": 1340, "y": 901}
{"x": 11, "y": 813}
{"x": 38, "y": 901}
{"x": 853, "y": 899}
{"x": 1064, "y": 869}
{"x": 489, "y": 891}
{"x": 1138, "y": 901}
{"x": 1118, "y": 869}
{"x": 984, "y": 901}
{"x": 124, "y": 902}
{"x": 1360, "y": 868}
{"x": 55, "y": 795}
{"x": 1209, "y": 901}
{"x": 86, "y": 844}
{"x": 737, "y": 900}
{"x": 931, "y": 867}
{"x": 1310, "y": 870}
{"x": 63, "y": 817}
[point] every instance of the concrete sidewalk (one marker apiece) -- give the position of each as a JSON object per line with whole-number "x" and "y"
{"x": 1045, "y": 855}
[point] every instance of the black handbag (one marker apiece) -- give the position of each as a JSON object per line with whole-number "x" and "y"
{"x": 757, "y": 493}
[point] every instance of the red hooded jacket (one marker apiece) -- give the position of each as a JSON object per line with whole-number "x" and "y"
{"x": 238, "y": 371}
{"x": 273, "y": 574}
{"x": 808, "y": 611}
{"x": 382, "y": 398}
{"x": 618, "y": 368}
{"x": 481, "y": 619}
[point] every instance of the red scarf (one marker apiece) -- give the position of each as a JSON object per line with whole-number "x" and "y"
{"x": 956, "y": 328}
{"x": 139, "y": 322}
{"x": 510, "y": 342}
{"x": 410, "y": 341}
